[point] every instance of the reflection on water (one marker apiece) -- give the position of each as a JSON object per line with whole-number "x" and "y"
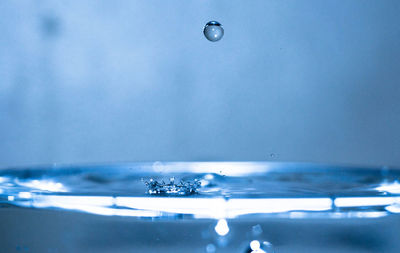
{"x": 225, "y": 196}
{"x": 206, "y": 190}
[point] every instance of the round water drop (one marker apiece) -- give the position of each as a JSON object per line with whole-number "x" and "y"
{"x": 213, "y": 31}
{"x": 256, "y": 246}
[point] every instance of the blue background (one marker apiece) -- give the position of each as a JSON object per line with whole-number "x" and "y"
{"x": 110, "y": 81}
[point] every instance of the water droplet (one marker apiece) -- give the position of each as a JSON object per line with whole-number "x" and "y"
{"x": 222, "y": 228}
{"x": 213, "y": 31}
{"x": 256, "y": 246}
{"x": 155, "y": 187}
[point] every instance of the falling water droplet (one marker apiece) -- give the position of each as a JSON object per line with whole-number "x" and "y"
{"x": 213, "y": 31}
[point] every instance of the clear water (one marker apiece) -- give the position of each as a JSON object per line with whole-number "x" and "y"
{"x": 200, "y": 207}
{"x": 213, "y": 31}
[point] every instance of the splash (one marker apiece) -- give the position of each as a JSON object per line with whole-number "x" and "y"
{"x": 182, "y": 188}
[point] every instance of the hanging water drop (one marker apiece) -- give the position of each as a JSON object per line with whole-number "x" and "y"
{"x": 213, "y": 31}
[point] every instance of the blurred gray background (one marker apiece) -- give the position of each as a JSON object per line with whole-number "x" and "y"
{"x": 110, "y": 81}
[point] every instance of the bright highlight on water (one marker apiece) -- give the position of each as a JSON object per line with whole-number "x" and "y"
{"x": 218, "y": 207}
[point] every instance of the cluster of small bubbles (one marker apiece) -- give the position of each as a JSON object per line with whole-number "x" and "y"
{"x": 256, "y": 246}
{"x": 213, "y": 31}
{"x": 182, "y": 188}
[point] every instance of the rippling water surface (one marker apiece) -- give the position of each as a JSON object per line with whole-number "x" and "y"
{"x": 200, "y": 207}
